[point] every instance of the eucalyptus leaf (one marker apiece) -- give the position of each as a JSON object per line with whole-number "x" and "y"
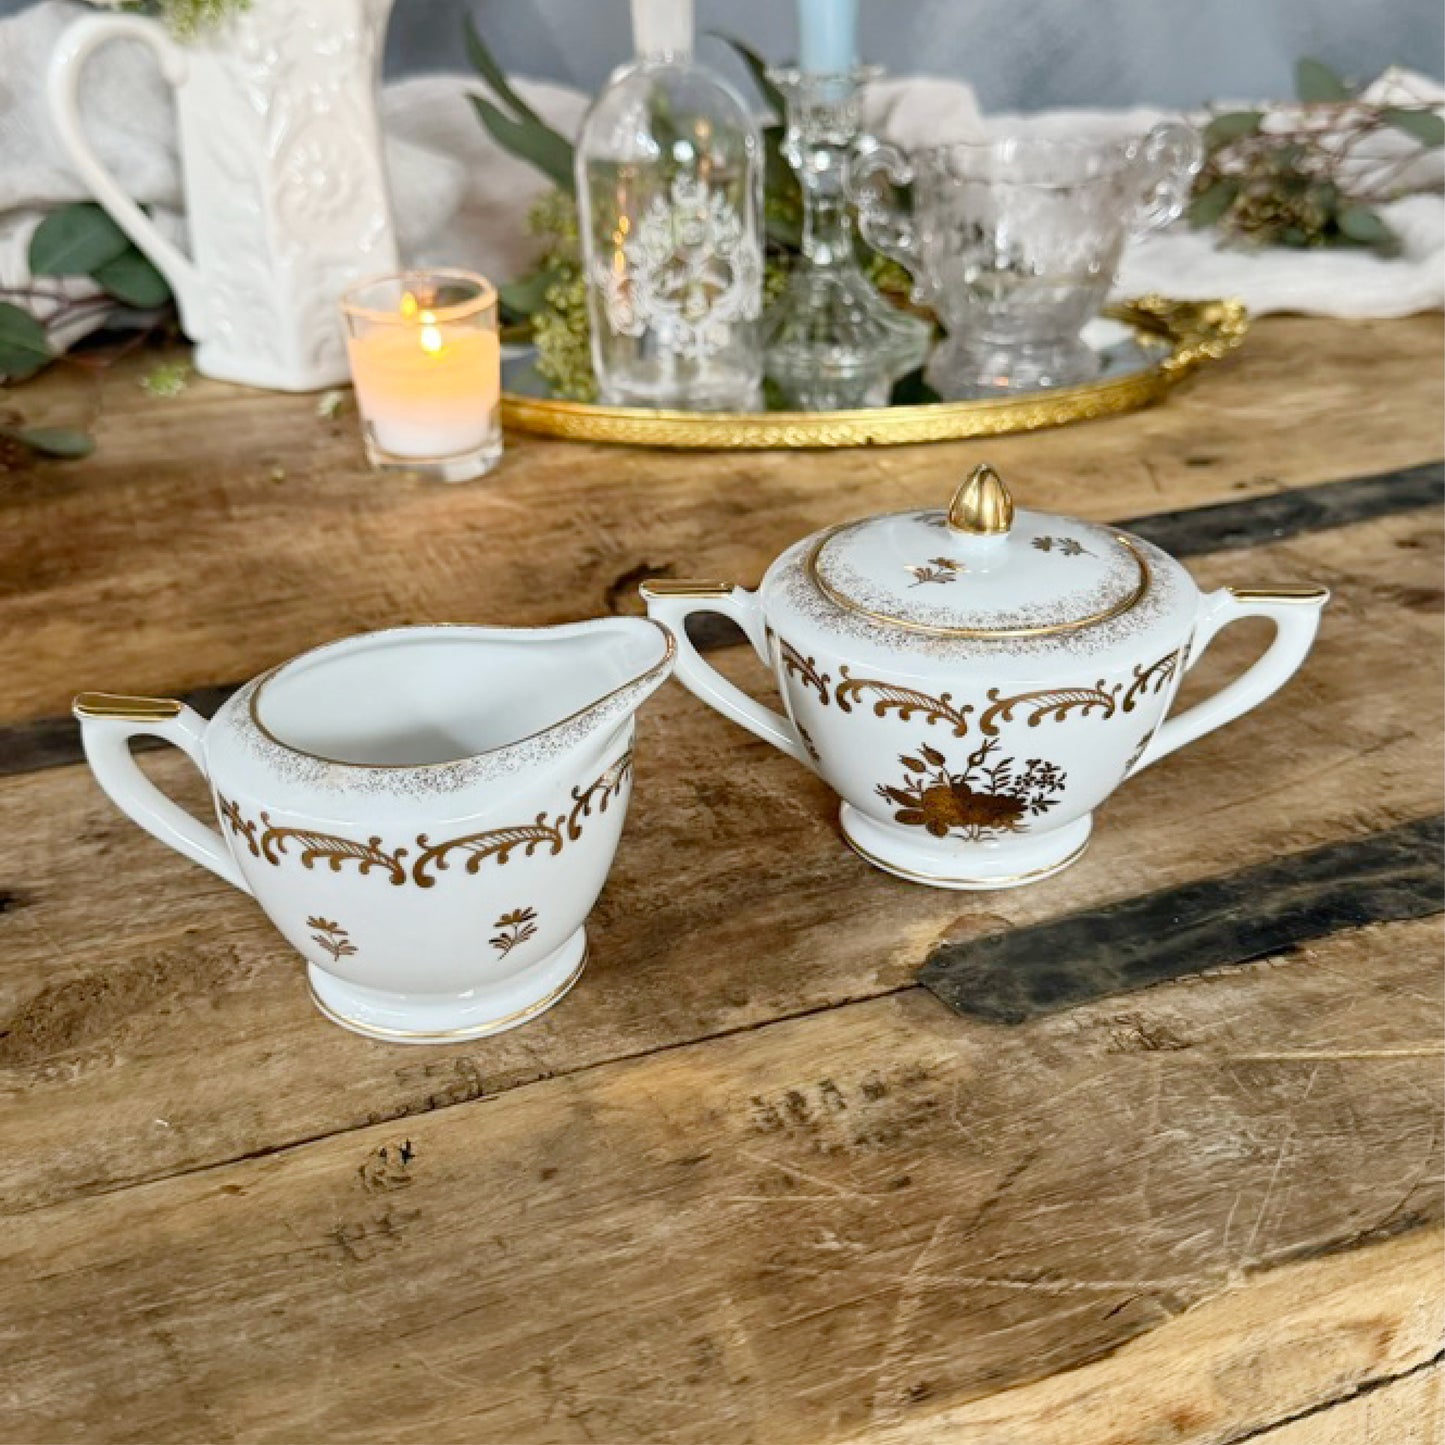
{"x": 1363, "y": 226}
{"x": 74, "y": 241}
{"x": 1212, "y": 202}
{"x": 1315, "y": 81}
{"x": 486, "y": 66}
{"x": 1426, "y": 126}
{"x": 1231, "y": 126}
{"x": 530, "y": 141}
{"x": 758, "y": 69}
{"x": 522, "y": 297}
{"x": 24, "y": 348}
{"x": 784, "y": 203}
{"x": 132, "y": 279}
{"x": 55, "y": 441}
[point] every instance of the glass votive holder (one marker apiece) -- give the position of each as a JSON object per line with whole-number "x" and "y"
{"x": 426, "y": 364}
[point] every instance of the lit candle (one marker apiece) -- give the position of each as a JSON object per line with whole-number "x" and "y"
{"x": 828, "y": 31}
{"x": 426, "y": 364}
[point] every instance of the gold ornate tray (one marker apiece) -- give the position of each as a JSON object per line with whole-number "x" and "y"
{"x": 1153, "y": 344}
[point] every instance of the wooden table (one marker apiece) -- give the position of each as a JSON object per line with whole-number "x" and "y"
{"x": 749, "y": 1182}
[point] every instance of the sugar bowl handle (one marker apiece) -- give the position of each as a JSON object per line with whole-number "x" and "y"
{"x": 1295, "y": 613}
{"x": 672, "y": 603}
{"x": 107, "y": 724}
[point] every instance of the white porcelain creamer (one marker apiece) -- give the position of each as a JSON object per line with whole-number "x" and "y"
{"x": 427, "y": 814}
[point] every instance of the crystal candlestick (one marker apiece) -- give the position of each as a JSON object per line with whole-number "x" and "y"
{"x": 832, "y": 342}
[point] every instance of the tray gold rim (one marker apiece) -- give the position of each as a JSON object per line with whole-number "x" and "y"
{"x": 1198, "y": 332}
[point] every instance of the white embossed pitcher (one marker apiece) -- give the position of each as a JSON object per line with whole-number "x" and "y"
{"x": 286, "y": 192}
{"x": 427, "y": 814}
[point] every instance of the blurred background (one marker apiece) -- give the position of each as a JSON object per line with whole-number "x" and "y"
{"x": 1017, "y": 54}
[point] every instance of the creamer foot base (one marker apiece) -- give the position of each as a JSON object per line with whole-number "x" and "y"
{"x": 400, "y": 1018}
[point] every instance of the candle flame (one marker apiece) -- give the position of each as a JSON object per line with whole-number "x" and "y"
{"x": 429, "y": 337}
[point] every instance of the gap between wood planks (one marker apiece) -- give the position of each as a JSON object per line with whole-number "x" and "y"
{"x": 1193, "y": 531}
{"x": 1010, "y": 975}
{"x": 1365, "y": 1387}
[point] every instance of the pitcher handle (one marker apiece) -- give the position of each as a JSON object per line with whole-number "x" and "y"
{"x": 1295, "y": 612}
{"x": 672, "y": 603}
{"x": 67, "y": 70}
{"x": 107, "y": 724}
{"x": 1172, "y": 154}
{"x": 885, "y": 225}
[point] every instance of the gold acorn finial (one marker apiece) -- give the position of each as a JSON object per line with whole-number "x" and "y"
{"x": 981, "y": 506}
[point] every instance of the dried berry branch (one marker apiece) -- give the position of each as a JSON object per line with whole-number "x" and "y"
{"x": 1299, "y": 176}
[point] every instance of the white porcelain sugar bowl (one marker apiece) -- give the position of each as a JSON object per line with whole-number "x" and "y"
{"x": 974, "y": 682}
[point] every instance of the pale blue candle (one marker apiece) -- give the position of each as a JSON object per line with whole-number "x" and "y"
{"x": 828, "y": 36}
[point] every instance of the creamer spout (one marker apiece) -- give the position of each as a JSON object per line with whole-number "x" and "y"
{"x": 626, "y": 659}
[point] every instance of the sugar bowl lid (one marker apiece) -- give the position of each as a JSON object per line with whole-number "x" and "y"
{"x": 980, "y": 569}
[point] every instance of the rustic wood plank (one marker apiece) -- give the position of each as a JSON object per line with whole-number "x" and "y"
{"x": 853, "y": 1222}
{"x": 152, "y": 1021}
{"x": 55, "y": 742}
{"x": 1405, "y": 1411}
{"x": 213, "y": 535}
{"x": 1010, "y": 976}
{"x": 1287, "y": 1343}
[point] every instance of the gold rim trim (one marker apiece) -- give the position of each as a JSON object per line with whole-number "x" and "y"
{"x": 1198, "y": 332}
{"x": 1003, "y": 880}
{"x": 480, "y": 1031}
{"x": 126, "y": 709}
{"x": 1304, "y": 596}
{"x": 681, "y": 587}
{"x": 669, "y": 643}
{"x": 842, "y": 600}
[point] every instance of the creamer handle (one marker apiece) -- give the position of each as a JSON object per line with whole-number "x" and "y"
{"x": 65, "y": 80}
{"x": 672, "y": 603}
{"x": 107, "y": 724}
{"x": 1295, "y": 613}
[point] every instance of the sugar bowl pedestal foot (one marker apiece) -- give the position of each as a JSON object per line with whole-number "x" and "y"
{"x": 966, "y": 866}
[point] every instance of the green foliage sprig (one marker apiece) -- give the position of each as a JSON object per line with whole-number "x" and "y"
{"x": 186, "y": 19}
{"x": 77, "y": 240}
{"x": 1302, "y": 183}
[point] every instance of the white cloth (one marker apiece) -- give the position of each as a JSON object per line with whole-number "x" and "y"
{"x": 460, "y": 199}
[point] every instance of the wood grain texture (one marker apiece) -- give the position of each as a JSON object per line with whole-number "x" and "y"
{"x": 827, "y": 1226}
{"x": 215, "y": 534}
{"x": 1293, "y": 1344}
{"x": 54, "y": 742}
{"x": 136, "y": 988}
{"x": 1406, "y": 1411}
{"x": 1007, "y": 977}
{"x": 745, "y": 1184}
